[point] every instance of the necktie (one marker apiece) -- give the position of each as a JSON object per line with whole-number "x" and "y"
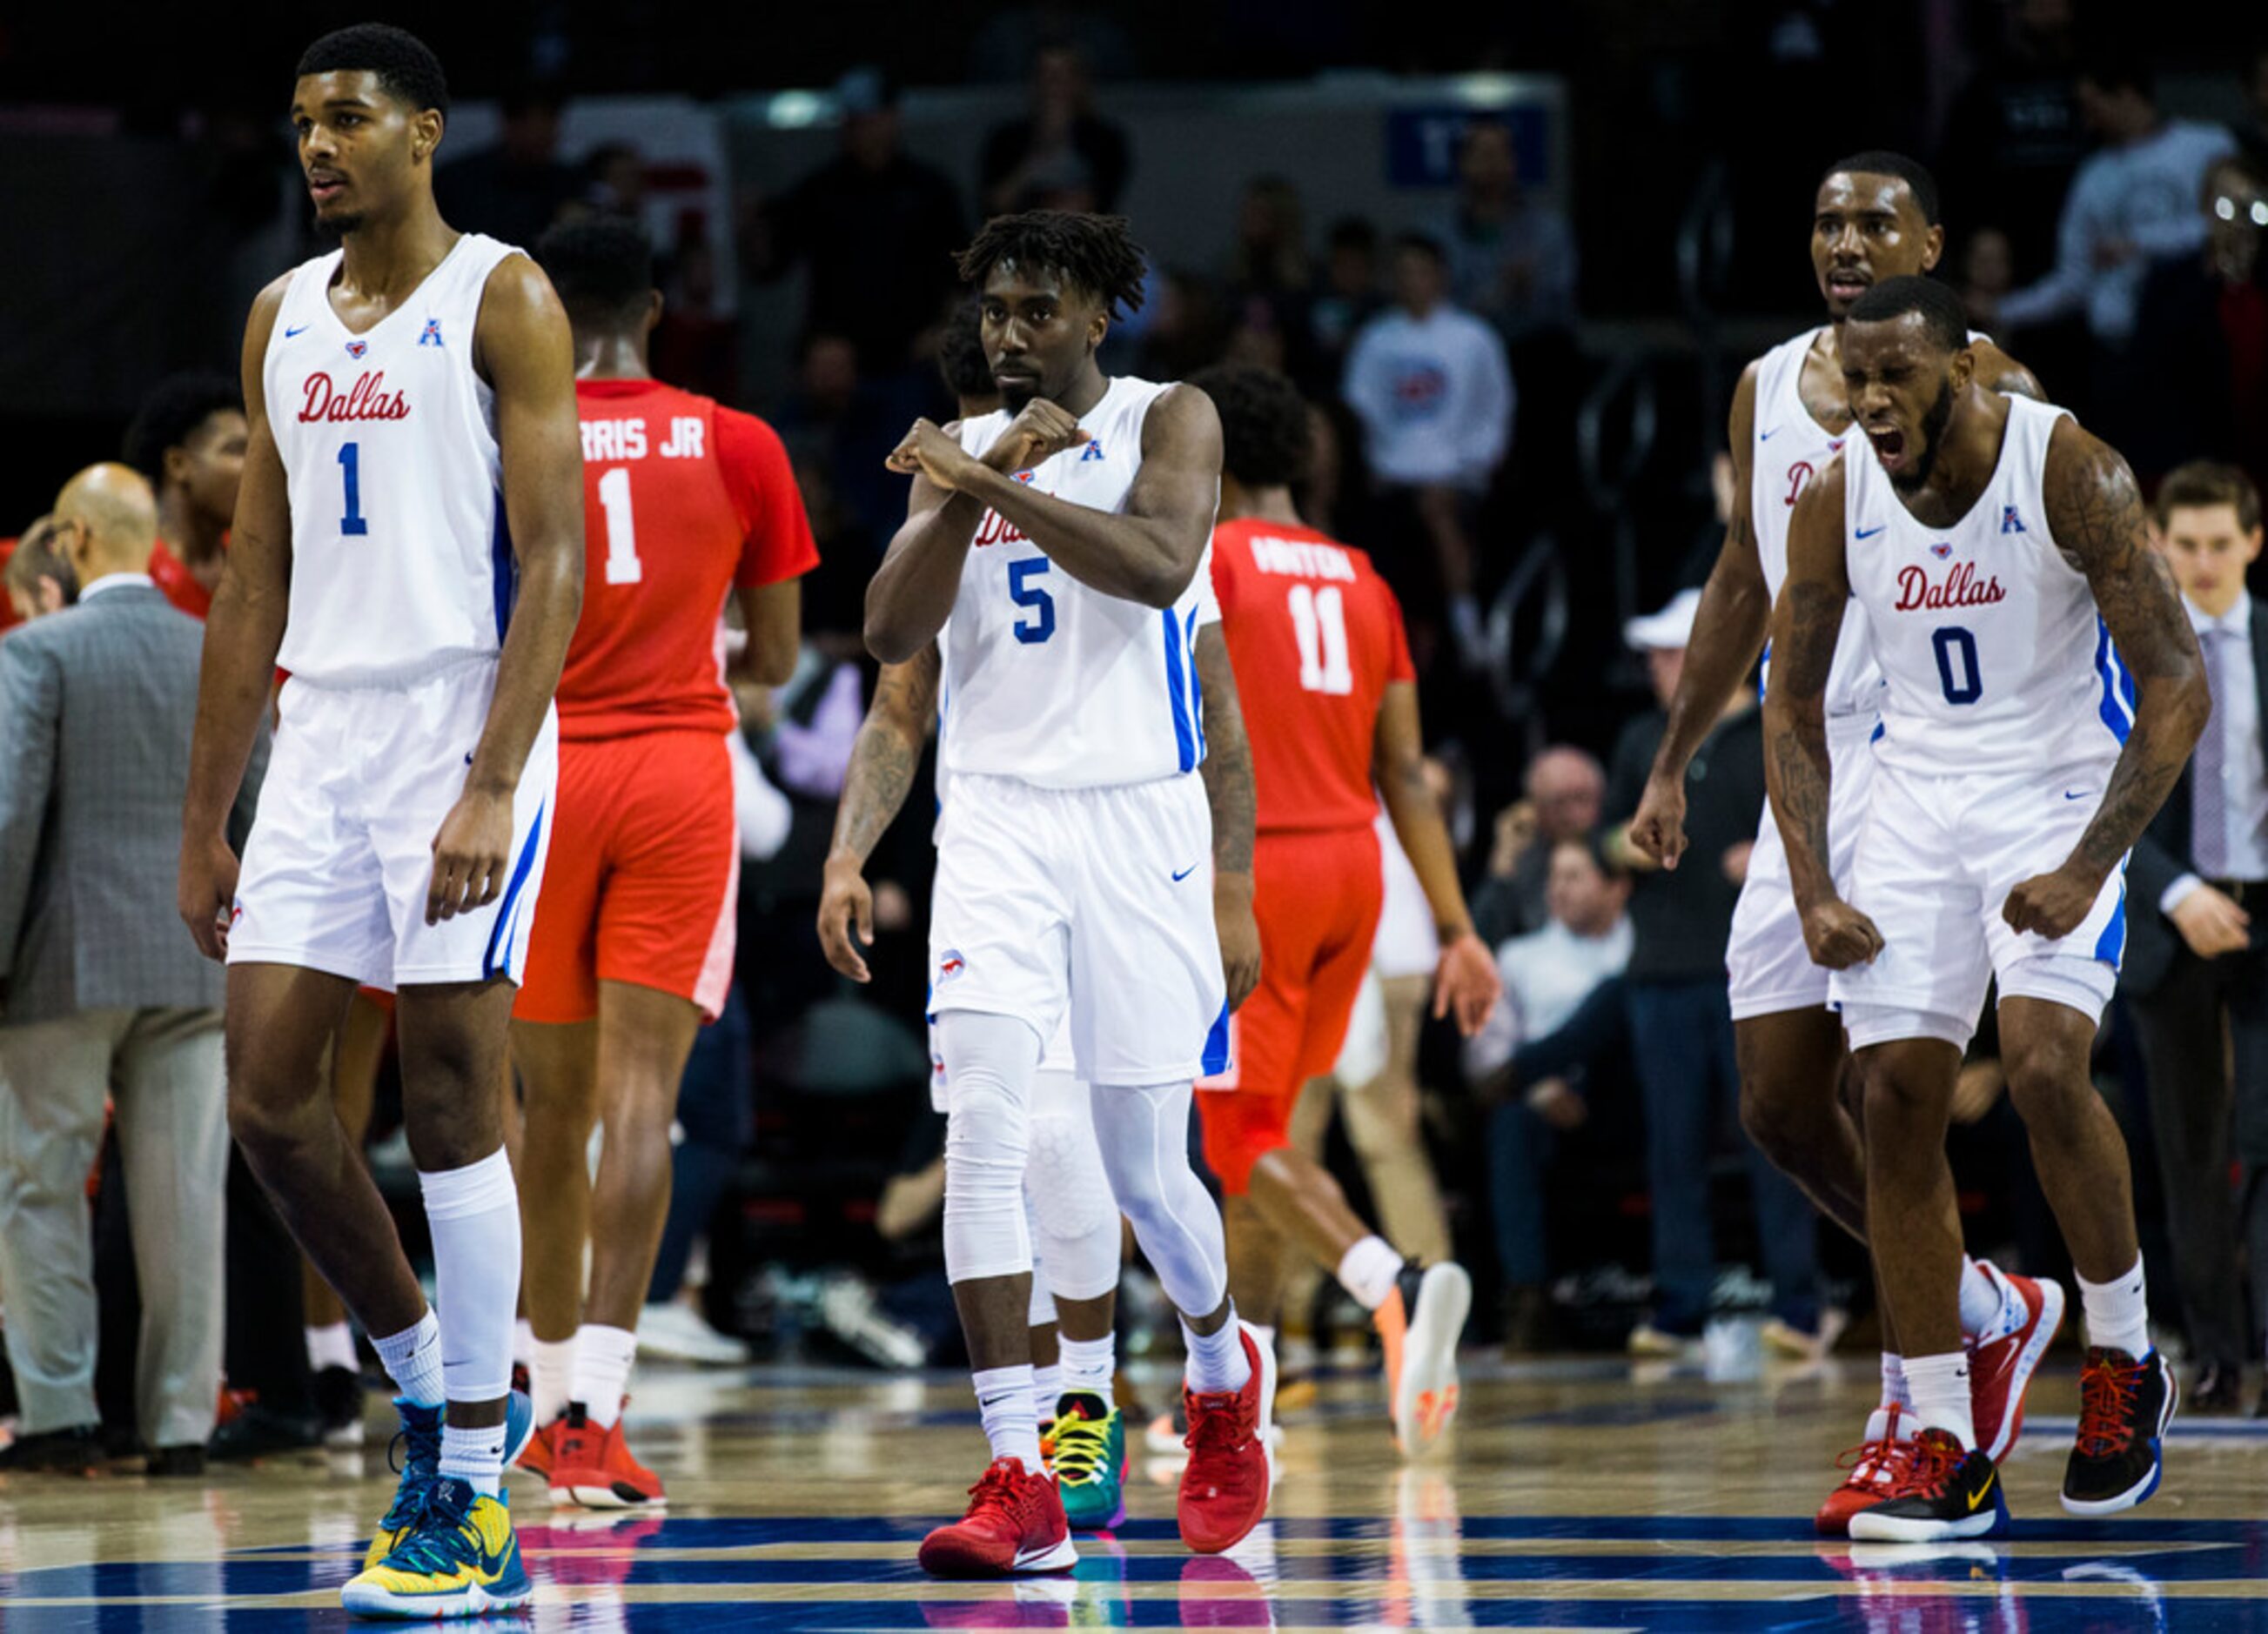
{"x": 2208, "y": 790}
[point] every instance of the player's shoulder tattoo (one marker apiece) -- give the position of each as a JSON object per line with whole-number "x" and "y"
{"x": 2093, "y": 504}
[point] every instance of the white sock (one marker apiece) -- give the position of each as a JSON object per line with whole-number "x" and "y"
{"x": 1004, "y": 1398}
{"x": 473, "y": 1213}
{"x": 602, "y": 1371}
{"x": 2118, "y": 1312}
{"x": 523, "y": 1345}
{"x": 1089, "y": 1365}
{"x": 413, "y": 1360}
{"x": 1369, "y": 1270}
{"x": 1216, "y": 1360}
{"x": 1940, "y": 1385}
{"x": 331, "y": 1345}
{"x": 1896, "y": 1391}
{"x": 550, "y": 1378}
{"x": 474, "y": 1457}
{"x": 1981, "y": 1299}
{"x": 1047, "y": 1385}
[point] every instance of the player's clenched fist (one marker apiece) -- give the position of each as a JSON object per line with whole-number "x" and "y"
{"x": 928, "y": 449}
{"x": 1041, "y": 430}
{"x": 845, "y": 903}
{"x": 2050, "y": 904}
{"x": 1658, "y": 830}
{"x": 1839, "y": 936}
{"x": 207, "y": 893}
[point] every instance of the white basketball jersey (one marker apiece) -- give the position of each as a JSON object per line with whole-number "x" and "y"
{"x": 1047, "y": 680}
{"x": 401, "y": 565}
{"x": 1790, "y": 449}
{"x": 1996, "y": 657}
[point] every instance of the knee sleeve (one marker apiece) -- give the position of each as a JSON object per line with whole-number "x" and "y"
{"x": 990, "y": 1062}
{"x": 1241, "y": 1126}
{"x": 1074, "y": 1212}
{"x": 1042, "y": 1310}
{"x": 1144, "y": 1133}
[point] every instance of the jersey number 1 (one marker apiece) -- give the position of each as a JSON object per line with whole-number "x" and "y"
{"x": 1319, "y": 625}
{"x": 622, "y": 565}
{"x": 353, "y": 525}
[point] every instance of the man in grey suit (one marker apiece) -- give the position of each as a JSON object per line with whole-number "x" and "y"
{"x": 100, "y": 993}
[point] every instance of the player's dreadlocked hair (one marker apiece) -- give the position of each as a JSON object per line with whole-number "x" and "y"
{"x": 1883, "y": 162}
{"x": 1266, "y": 438}
{"x": 406, "y": 67}
{"x": 602, "y": 268}
{"x": 1096, "y": 252}
{"x": 170, "y": 414}
{"x": 960, "y": 356}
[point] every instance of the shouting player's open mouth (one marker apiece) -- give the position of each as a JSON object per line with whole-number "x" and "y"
{"x": 1889, "y": 447}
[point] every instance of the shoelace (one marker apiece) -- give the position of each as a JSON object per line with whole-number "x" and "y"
{"x": 1877, "y": 1454}
{"x": 1215, "y": 1431}
{"x": 996, "y": 1486}
{"x": 1081, "y": 1444}
{"x": 2106, "y": 1403}
{"x": 407, "y": 1450}
{"x": 441, "y": 1538}
{"x": 1921, "y": 1467}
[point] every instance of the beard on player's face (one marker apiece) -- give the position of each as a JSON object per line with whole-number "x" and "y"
{"x": 1933, "y": 422}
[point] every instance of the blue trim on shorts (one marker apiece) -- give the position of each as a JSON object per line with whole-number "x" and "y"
{"x": 1177, "y": 692}
{"x": 503, "y": 568}
{"x": 2111, "y": 946}
{"x": 2116, "y": 707}
{"x": 1196, "y": 683}
{"x": 1215, "y": 1045}
{"x": 491, "y": 966}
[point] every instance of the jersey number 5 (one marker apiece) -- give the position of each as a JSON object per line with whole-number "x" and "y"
{"x": 1319, "y": 625}
{"x": 1025, "y": 593}
{"x": 1957, "y": 664}
{"x": 622, "y": 565}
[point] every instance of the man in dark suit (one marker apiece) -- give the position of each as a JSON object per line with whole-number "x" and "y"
{"x": 104, "y": 995}
{"x": 2196, "y": 956}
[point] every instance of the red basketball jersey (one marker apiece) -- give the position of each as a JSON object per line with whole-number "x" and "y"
{"x": 683, "y": 500}
{"x": 1315, "y": 638}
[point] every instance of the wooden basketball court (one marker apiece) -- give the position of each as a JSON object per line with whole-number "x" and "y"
{"x": 1583, "y": 1495}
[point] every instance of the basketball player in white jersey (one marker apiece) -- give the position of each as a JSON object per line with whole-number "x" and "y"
{"x": 1063, "y": 538}
{"x": 409, "y": 545}
{"x": 1999, "y": 552}
{"x": 1874, "y": 216}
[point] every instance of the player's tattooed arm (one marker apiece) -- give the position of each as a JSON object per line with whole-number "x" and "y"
{"x": 1148, "y": 550}
{"x": 912, "y": 592}
{"x": 1229, "y": 791}
{"x": 883, "y": 761}
{"x": 2094, "y": 512}
{"x": 243, "y": 632}
{"x": 1729, "y": 633}
{"x": 1806, "y": 625}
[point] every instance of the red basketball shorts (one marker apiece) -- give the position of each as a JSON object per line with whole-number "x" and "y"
{"x": 1317, "y": 897}
{"x": 643, "y": 878}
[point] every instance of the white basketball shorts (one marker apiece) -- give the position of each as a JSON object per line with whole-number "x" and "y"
{"x": 1937, "y": 858}
{"x": 1091, "y": 903}
{"x": 1770, "y": 967}
{"x": 340, "y": 859}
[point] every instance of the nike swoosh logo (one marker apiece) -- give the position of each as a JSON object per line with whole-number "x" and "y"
{"x": 1185, "y": 874}
{"x": 1983, "y": 1492}
{"x": 2069, "y": 795}
{"x": 288, "y": 334}
{"x": 1868, "y": 533}
{"x": 1765, "y": 437}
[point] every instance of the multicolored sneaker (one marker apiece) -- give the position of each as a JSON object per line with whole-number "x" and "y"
{"x": 419, "y": 1444}
{"x": 1225, "y": 1486}
{"x": 2124, "y": 1405}
{"x": 2003, "y": 1359}
{"x": 1090, "y": 1462}
{"x": 1419, "y": 1327}
{"x": 1014, "y": 1523}
{"x": 1872, "y": 1464}
{"x": 460, "y": 1558}
{"x": 1938, "y": 1491}
{"x": 593, "y": 1466}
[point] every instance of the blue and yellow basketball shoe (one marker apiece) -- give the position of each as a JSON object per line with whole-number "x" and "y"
{"x": 461, "y": 1558}
{"x": 419, "y": 1439}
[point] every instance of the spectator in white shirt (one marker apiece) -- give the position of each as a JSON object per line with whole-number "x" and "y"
{"x": 2133, "y": 200}
{"x": 1547, "y": 976}
{"x": 1430, "y": 387}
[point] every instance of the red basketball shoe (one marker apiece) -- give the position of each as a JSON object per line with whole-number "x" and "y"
{"x": 2003, "y": 1358}
{"x": 1015, "y": 1523}
{"x": 592, "y": 1467}
{"x": 1873, "y": 1464}
{"x": 1225, "y": 1485}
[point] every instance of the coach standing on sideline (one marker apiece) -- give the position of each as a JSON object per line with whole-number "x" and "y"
{"x": 99, "y": 993}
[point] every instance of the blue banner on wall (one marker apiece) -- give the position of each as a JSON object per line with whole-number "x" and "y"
{"x": 1421, "y": 143}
